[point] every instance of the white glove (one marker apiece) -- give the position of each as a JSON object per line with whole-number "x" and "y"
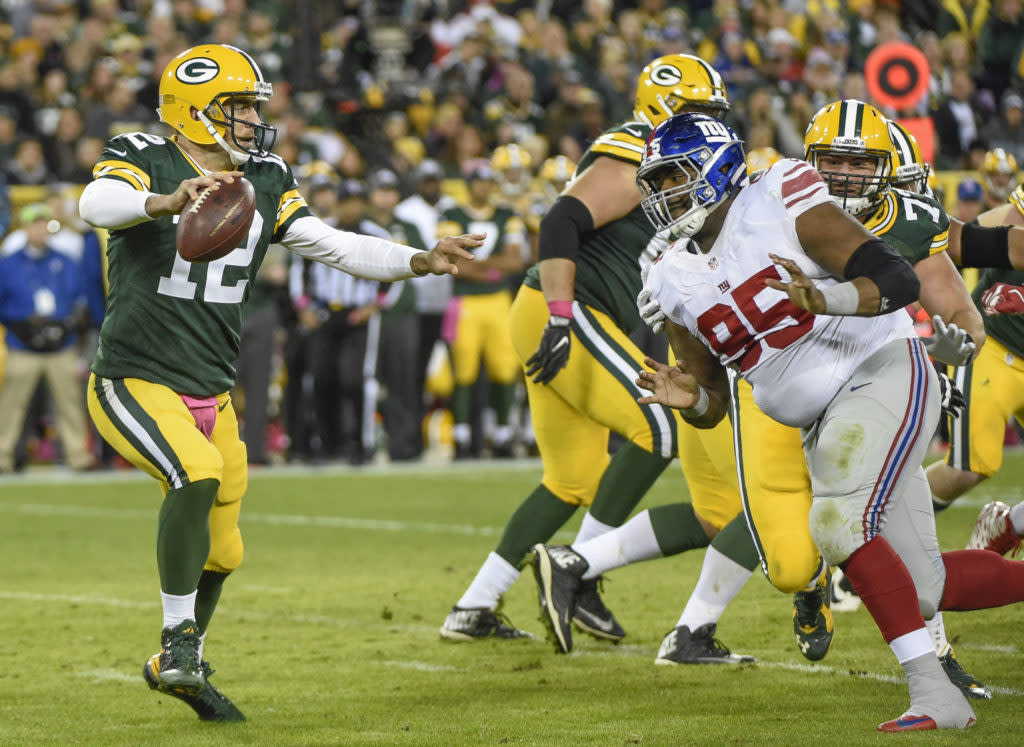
{"x": 948, "y": 343}
{"x": 650, "y": 309}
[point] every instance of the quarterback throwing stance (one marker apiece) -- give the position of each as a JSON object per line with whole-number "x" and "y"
{"x": 159, "y": 388}
{"x": 781, "y": 284}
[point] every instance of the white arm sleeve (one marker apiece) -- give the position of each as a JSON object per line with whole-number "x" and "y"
{"x": 110, "y": 203}
{"x": 359, "y": 255}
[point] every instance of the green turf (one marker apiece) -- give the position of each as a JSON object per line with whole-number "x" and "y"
{"x": 328, "y": 632}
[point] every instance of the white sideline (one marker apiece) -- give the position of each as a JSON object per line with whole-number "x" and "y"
{"x": 630, "y": 650}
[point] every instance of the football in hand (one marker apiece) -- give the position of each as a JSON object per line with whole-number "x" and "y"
{"x": 216, "y": 222}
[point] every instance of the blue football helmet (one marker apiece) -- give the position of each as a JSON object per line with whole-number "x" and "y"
{"x": 703, "y": 150}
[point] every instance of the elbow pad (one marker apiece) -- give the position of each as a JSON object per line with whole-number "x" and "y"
{"x": 561, "y": 229}
{"x": 897, "y": 282}
{"x": 985, "y": 246}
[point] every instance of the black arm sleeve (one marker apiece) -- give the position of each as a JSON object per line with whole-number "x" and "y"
{"x": 985, "y": 246}
{"x": 897, "y": 282}
{"x": 561, "y": 228}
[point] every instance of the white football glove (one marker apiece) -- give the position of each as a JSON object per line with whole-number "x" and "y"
{"x": 650, "y": 309}
{"x": 948, "y": 343}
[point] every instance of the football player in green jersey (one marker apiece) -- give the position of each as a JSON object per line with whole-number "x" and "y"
{"x": 159, "y": 388}
{"x": 570, "y": 325}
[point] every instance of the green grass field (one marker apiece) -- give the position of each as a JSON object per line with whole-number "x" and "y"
{"x": 328, "y": 632}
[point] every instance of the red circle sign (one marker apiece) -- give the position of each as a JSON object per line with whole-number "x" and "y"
{"x": 897, "y": 75}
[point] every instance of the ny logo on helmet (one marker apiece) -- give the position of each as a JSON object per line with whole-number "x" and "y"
{"x": 196, "y": 71}
{"x": 714, "y": 132}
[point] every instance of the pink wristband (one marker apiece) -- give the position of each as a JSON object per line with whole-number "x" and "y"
{"x": 560, "y": 308}
{"x": 493, "y": 276}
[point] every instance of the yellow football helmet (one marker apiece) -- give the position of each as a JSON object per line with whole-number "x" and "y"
{"x": 208, "y": 79}
{"x": 677, "y": 81}
{"x": 511, "y": 163}
{"x": 909, "y": 171}
{"x": 554, "y": 173}
{"x": 1017, "y": 198}
{"x": 851, "y": 128}
{"x": 997, "y": 174}
{"x": 760, "y": 159}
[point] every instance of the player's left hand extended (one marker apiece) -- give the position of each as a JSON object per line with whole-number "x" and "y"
{"x": 948, "y": 343}
{"x": 951, "y": 399}
{"x": 1002, "y": 298}
{"x": 671, "y": 386}
{"x": 799, "y": 288}
{"x": 444, "y": 258}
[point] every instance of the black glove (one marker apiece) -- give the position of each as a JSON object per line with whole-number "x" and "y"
{"x": 951, "y": 399}
{"x": 552, "y": 353}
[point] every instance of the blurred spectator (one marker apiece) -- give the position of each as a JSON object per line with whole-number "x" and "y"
{"x": 1007, "y": 130}
{"x": 270, "y": 48}
{"x": 42, "y": 300}
{"x": 780, "y": 63}
{"x": 132, "y": 67}
{"x": 969, "y": 200}
{"x": 515, "y": 105}
{"x": 28, "y": 166}
{"x": 821, "y": 77}
{"x": 8, "y": 133}
{"x": 118, "y": 113}
{"x": 5, "y": 211}
{"x": 433, "y": 292}
{"x": 964, "y": 16}
{"x": 999, "y": 42}
{"x": 62, "y": 143}
{"x": 957, "y": 123}
{"x": 401, "y": 405}
{"x": 14, "y": 103}
{"x": 51, "y": 96}
{"x": 736, "y": 64}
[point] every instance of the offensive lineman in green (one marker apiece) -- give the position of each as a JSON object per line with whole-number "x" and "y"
{"x": 159, "y": 392}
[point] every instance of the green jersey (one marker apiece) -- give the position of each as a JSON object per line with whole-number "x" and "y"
{"x": 913, "y": 224}
{"x": 170, "y": 321}
{"x": 503, "y": 227}
{"x": 609, "y": 259}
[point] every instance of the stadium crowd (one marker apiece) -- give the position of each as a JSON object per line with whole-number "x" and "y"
{"x": 400, "y": 118}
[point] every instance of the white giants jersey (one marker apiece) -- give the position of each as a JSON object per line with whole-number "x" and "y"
{"x": 795, "y": 361}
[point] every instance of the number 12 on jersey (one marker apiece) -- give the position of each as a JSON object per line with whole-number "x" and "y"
{"x": 178, "y": 285}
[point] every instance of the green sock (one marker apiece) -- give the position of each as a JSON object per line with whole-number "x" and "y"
{"x": 502, "y": 397}
{"x": 183, "y": 536}
{"x": 210, "y": 585}
{"x": 676, "y": 528}
{"x": 460, "y": 404}
{"x": 630, "y": 474}
{"x": 735, "y": 543}
{"x": 536, "y": 520}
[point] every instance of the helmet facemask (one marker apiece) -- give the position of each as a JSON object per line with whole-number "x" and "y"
{"x": 220, "y": 120}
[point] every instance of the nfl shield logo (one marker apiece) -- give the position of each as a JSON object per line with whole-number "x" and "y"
{"x": 713, "y": 263}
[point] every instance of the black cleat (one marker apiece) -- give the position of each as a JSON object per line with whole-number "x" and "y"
{"x": 177, "y": 664}
{"x": 210, "y": 704}
{"x": 968, "y": 685}
{"x": 813, "y": 623}
{"x": 699, "y": 647}
{"x": 465, "y": 625}
{"x": 592, "y": 617}
{"x": 558, "y": 570}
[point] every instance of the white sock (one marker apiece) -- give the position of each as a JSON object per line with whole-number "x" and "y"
{"x": 202, "y": 642}
{"x": 494, "y": 578}
{"x": 1017, "y": 518}
{"x": 721, "y": 579}
{"x": 502, "y": 435}
{"x": 461, "y": 432}
{"x": 632, "y": 542}
{"x": 937, "y": 630}
{"x": 591, "y": 528}
{"x": 912, "y": 645}
{"x": 178, "y": 609}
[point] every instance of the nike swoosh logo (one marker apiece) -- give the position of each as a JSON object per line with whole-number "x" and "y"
{"x": 220, "y": 408}
{"x": 631, "y": 131}
{"x": 121, "y": 153}
{"x": 855, "y": 388}
{"x": 589, "y": 619}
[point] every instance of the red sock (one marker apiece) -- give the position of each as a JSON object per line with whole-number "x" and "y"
{"x": 979, "y": 579}
{"x": 886, "y": 588}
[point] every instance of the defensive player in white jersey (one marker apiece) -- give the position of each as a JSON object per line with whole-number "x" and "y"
{"x": 788, "y": 289}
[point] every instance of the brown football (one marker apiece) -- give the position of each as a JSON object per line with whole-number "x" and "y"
{"x": 216, "y": 222}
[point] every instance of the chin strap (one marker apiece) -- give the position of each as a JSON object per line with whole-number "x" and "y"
{"x": 237, "y": 157}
